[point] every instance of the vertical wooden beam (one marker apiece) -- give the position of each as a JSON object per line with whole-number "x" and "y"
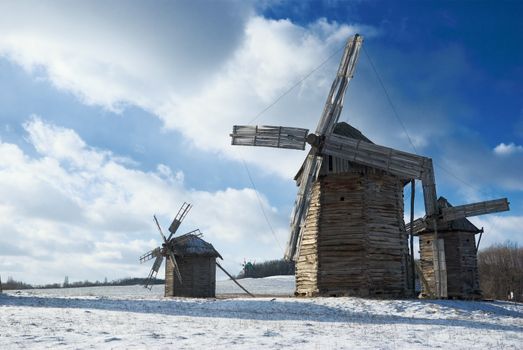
{"x": 413, "y": 269}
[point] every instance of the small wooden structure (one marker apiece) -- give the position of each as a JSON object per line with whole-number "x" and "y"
{"x": 460, "y": 258}
{"x": 354, "y": 240}
{"x": 196, "y": 261}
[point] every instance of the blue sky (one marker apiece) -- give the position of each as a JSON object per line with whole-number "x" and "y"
{"x": 111, "y": 112}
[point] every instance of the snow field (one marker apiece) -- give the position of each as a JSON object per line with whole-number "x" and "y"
{"x": 128, "y": 318}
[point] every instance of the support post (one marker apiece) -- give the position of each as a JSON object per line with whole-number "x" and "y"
{"x": 413, "y": 269}
{"x": 234, "y": 279}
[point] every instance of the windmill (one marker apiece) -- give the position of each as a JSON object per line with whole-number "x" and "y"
{"x": 167, "y": 248}
{"x": 197, "y": 262}
{"x": 457, "y": 246}
{"x": 327, "y": 144}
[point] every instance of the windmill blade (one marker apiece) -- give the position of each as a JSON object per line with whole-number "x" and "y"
{"x": 269, "y": 136}
{"x": 184, "y": 210}
{"x": 150, "y": 254}
{"x": 301, "y": 206}
{"x": 159, "y": 228}
{"x": 418, "y": 226}
{"x": 334, "y": 105}
{"x": 175, "y": 266}
{"x": 154, "y": 271}
{"x": 474, "y": 209}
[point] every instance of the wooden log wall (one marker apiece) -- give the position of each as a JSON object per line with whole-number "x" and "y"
{"x": 354, "y": 241}
{"x": 307, "y": 262}
{"x": 198, "y": 277}
{"x": 461, "y": 264}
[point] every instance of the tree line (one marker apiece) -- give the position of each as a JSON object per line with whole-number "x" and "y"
{"x": 12, "y": 284}
{"x": 267, "y": 268}
{"x": 501, "y": 271}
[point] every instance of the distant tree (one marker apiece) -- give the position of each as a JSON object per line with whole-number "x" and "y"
{"x": 66, "y": 282}
{"x": 501, "y": 271}
{"x": 12, "y": 284}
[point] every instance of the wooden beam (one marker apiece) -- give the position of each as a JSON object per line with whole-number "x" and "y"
{"x": 411, "y": 234}
{"x": 301, "y": 206}
{"x": 334, "y": 104}
{"x": 234, "y": 279}
{"x": 474, "y": 209}
{"x": 402, "y": 164}
{"x": 269, "y": 136}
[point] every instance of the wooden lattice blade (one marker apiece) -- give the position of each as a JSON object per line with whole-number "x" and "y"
{"x": 154, "y": 271}
{"x": 474, "y": 209}
{"x": 269, "y": 136}
{"x": 184, "y": 210}
{"x": 150, "y": 254}
{"x": 301, "y": 206}
{"x": 334, "y": 104}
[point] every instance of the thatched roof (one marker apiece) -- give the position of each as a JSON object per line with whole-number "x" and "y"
{"x": 191, "y": 245}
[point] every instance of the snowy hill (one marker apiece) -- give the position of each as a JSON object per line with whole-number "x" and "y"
{"x": 132, "y": 317}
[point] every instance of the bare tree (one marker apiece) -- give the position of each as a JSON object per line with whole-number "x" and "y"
{"x": 501, "y": 271}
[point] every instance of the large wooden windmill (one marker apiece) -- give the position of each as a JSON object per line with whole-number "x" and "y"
{"x": 333, "y": 244}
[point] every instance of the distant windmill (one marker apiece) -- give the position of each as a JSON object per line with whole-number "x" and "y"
{"x": 322, "y": 242}
{"x": 190, "y": 270}
{"x": 166, "y": 250}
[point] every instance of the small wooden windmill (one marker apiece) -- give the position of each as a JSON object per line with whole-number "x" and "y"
{"x": 190, "y": 270}
{"x": 318, "y": 236}
{"x": 458, "y": 250}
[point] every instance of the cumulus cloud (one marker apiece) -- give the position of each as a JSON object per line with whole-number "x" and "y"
{"x": 74, "y": 204}
{"x": 498, "y": 228}
{"x": 507, "y": 149}
{"x": 200, "y": 76}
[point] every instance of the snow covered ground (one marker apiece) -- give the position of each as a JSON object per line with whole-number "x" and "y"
{"x": 134, "y": 318}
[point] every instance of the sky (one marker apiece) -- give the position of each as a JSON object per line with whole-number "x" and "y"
{"x": 111, "y": 112}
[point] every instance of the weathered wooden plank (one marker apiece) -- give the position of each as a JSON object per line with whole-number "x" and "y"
{"x": 474, "y": 209}
{"x": 269, "y": 136}
{"x": 334, "y": 104}
{"x": 395, "y": 162}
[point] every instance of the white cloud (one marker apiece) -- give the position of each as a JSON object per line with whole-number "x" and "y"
{"x": 498, "y": 228}
{"x": 73, "y": 204}
{"x": 200, "y": 67}
{"x": 507, "y": 149}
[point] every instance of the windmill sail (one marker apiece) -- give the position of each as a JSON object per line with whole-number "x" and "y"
{"x": 269, "y": 136}
{"x": 474, "y": 209}
{"x": 182, "y": 212}
{"x": 301, "y": 206}
{"x": 334, "y": 104}
{"x": 154, "y": 271}
{"x": 156, "y": 252}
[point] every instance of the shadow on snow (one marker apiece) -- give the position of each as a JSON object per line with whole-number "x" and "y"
{"x": 270, "y": 310}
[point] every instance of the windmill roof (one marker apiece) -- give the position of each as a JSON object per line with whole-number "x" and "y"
{"x": 343, "y": 129}
{"x": 463, "y": 224}
{"x": 192, "y": 245}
